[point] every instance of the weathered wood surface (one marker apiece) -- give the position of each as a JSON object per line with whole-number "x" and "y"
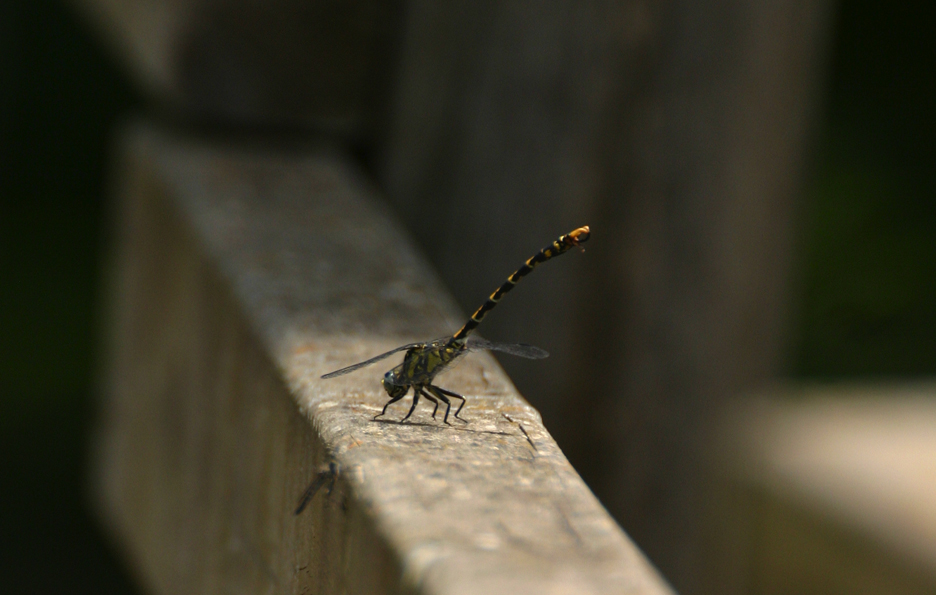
{"x": 241, "y": 278}
{"x": 678, "y": 130}
{"x": 832, "y": 490}
{"x": 318, "y": 65}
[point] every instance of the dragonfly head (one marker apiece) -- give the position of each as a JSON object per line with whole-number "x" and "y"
{"x": 392, "y": 385}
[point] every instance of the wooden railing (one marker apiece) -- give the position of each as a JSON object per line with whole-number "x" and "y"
{"x": 242, "y": 276}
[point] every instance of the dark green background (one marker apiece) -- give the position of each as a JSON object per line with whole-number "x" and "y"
{"x": 59, "y": 98}
{"x": 866, "y": 283}
{"x": 867, "y": 303}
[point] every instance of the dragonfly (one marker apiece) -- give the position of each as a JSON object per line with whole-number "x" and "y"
{"x": 424, "y": 361}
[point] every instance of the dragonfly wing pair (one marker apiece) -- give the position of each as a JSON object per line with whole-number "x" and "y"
{"x": 473, "y": 344}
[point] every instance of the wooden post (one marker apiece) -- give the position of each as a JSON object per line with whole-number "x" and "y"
{"x": 241, "y": 277}
{"x": 680, "y": 130}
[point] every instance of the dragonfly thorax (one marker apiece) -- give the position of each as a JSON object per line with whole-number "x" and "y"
{"x": 421, "y": 364}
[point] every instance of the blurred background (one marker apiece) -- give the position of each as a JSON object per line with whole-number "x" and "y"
{"x": 861, "y": 303}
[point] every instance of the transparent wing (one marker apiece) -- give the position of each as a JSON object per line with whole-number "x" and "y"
{"x": 370, "y": 361}
{"x": 519, "y": 349}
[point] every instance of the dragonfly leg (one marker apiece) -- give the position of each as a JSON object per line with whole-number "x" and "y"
{"x": 441, "y": 392}
{"x": 413, "y": 408}
{"x": 433, "y": 399}
{"x": 390, "y": 402}
{"x": 448, "y": 404}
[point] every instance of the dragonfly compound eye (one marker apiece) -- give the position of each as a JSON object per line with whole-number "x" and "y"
{"x": 390, "y": 385}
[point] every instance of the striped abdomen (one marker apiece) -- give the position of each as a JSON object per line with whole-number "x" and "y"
{"x": 560, "y": 246}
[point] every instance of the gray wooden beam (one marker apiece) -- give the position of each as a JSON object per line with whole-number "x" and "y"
{"x": 241, "y": 277}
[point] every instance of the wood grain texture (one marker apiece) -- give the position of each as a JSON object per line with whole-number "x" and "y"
{"x": 831, "y": 488}
{"x": 242, "y": 276}
{"x": 678, "y": 131}
{"x": 298, "y": 65}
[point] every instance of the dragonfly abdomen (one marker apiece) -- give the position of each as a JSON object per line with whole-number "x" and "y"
{"x": 560, "y": 246}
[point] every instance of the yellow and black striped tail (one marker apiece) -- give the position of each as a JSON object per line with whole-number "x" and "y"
{"x": 560, "y": 246}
